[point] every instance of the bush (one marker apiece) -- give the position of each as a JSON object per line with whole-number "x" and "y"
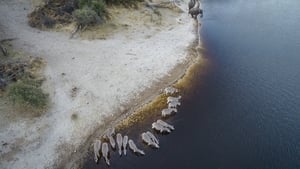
{"x": 28, "y": 95}
{"x": 52, "y": 13}
{"x": 122, "y": 2}
{"x": 48, "y": 22}
{"x": 99, "y": 6}
{"x": 86, "y": 16}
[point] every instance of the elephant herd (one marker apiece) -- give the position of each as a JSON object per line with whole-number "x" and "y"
{"x": 122, "y": 143}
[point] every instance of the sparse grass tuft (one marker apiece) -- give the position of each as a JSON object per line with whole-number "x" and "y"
{"x": 85, "y": 16}
{"x": 28, "y": 94}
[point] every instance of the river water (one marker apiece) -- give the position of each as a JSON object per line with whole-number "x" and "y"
{"x": 244, "y": 113}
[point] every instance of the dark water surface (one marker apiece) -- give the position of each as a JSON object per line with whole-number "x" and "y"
{"x": 245, "y": 112}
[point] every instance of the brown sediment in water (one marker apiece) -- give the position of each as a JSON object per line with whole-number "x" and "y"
{"x": 145, "y": 113}
{"x": 152, "y": 109}
{"x": 196, "y": 69}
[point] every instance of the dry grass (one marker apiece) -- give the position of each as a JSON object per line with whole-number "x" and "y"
{"x": 22, "y": 74}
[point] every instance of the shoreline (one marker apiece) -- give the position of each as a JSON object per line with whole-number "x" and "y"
{"x": 183, "y": 71}
{"x": 125, "y": 83}
{"x": 137, "y": 105}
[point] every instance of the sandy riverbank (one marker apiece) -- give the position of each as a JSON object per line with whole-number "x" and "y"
{"x": 112, "y": 77}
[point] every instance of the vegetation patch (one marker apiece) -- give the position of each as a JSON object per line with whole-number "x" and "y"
{"x": 86, "y": 16}
{"x": 28, "y": 94}
{"x": 21, "y": 81}
{"x": 83, "y": 12}
{"x": 52, "y": 13}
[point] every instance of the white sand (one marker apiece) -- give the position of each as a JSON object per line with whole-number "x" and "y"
{"x": 108, "y": 74}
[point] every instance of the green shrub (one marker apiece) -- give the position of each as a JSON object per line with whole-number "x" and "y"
{"x": 82, "y": 3}
{"x": 95, "y": 11}
{"x": 86, "y": 16}
{"x": 99, "y": 7}
{"x": 28, "y": 95}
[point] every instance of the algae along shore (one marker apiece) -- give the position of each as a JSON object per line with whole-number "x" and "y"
{"x": 94, "y": 77}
